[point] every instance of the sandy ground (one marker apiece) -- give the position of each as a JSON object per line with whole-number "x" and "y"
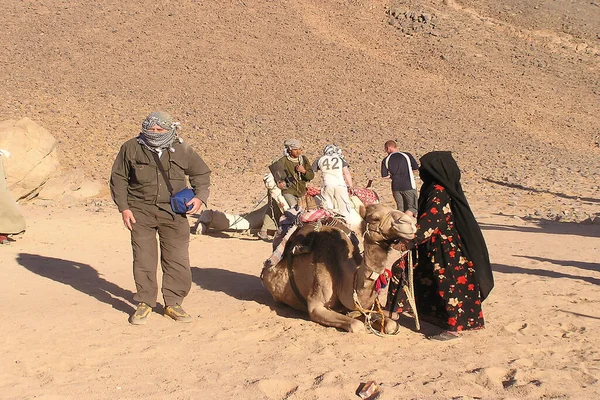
{"x": 67, "y": 291}
{"x": 510, "y": 87}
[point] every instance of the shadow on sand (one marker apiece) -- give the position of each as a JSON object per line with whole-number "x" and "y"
{"x": 79, "y": 276}
{"x": 578, "y": 314}
{"x": 509, "y": 269}
{"x": 535, "y": 190}
{"x": 577, "y": 264}
{"x": 249, "y": 288}
{"x": 242, "y": 287}
{"x": 545, "y": 226}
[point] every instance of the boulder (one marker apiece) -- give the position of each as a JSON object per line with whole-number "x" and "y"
{"x": 69, "y": 188}
{"x": 33, "y": 157}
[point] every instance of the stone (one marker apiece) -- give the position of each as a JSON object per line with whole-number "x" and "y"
{"x": 492, "y": 377}
{"x": 57, "y": 186}
{"x": 70, "y": 188}
{"x": 33, "y": 156}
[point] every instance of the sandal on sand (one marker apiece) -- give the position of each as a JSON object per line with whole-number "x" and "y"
{"x": 444, "y": 336}
{"x": 264, "y": 236}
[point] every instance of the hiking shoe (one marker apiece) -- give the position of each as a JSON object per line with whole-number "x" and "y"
{"x": 178, "y": 313}
{"x": 140, "y": 316}
{"x": 4, "y": 239}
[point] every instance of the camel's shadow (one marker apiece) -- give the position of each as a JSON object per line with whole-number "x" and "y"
{"x": 242, "y": 287}
{"x": 82, "y": 277}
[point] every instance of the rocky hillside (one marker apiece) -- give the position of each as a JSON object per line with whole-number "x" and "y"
{"x": 512, "y": 87}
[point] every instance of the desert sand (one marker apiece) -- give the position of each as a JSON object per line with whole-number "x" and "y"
{"x": 67, "y": 291}
{"x": 512, "y": 88}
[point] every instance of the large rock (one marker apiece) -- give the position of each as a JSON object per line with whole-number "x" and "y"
{"x": 69, "y": 188}
{"x": 33, "y": 156}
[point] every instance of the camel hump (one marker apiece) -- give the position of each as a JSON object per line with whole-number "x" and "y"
{"x": 324, "y": 239}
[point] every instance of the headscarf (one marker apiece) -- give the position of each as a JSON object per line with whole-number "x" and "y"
{"x": 332, "y": 150}
{"x": 154, "y": 141}
{"x": 292, "y": 144}
{"x": 439, "y": 167}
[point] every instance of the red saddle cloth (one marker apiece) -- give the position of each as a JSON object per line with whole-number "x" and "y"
{"x": 367, "y": 196}
{"x": 315, "y": 215}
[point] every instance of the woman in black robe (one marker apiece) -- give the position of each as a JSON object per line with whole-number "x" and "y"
{"x": 452, "y": 272}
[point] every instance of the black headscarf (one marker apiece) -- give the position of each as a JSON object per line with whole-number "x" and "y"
{"x": 439, "y": 167}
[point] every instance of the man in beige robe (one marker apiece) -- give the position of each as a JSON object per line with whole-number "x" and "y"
{"x": 11, "y": 219}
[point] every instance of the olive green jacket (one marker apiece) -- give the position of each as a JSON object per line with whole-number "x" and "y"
{"x": 135, "y": 178}
{"x": 298, "y": 181}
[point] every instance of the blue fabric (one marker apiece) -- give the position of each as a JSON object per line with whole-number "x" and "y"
{"x": 179, "y": 200}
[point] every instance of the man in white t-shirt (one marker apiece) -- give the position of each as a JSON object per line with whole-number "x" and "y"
{"x": 336, "y": 179}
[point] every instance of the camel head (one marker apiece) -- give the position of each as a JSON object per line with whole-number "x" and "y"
{"x": 385, "y": 224}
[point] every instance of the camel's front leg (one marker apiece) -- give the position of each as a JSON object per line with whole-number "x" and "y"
{"x": 324, "y": 316}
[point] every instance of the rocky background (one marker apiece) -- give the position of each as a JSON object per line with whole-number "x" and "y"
{"x": 512, "y": 88}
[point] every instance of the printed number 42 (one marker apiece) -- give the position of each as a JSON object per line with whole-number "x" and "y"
{"x": 336, "y": 162}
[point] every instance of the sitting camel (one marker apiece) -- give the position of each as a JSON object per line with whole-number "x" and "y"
{"x": 323, "y": 272}
{"x": 269, "y": 213}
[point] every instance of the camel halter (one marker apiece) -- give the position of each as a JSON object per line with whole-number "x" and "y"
{"x": 377, "y": 309}
{"x": 378, "y": 230}
{"x": 368, "y": 313}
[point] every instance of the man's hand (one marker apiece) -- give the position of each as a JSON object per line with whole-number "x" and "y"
{"x": 128, "y": 219}
{"x": 196, "y": 204}
{"x": 300, "y": 169}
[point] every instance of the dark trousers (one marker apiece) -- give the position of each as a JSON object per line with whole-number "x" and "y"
{"x": 406, "y": 200}
{"x": 174, "y": 236}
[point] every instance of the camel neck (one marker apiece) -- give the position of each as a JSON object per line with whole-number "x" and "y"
{"x": 371, "y": 267}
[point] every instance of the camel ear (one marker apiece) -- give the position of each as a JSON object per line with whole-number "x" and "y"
{"x": 362, "y": 211}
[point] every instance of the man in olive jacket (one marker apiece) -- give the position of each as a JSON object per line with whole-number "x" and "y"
{"x": 143, "y": 199}
{"x": 298, "y": 172}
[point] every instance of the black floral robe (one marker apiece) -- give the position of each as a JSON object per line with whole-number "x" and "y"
{"x": 446, "y": 291}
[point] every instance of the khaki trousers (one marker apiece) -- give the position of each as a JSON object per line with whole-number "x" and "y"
{"x": 337, "y": 199}
{"x": 174, "y": 237}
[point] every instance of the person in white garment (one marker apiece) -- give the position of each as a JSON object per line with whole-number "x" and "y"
{"x": 11, "y": 219}
{"x": 337, "y": 179}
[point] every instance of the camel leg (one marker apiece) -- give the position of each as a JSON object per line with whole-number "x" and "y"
{"x": 324, "y": 316}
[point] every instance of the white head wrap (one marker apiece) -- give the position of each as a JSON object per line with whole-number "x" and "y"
{"x": 159, "y": 141}
{"x": 292, "y": 144}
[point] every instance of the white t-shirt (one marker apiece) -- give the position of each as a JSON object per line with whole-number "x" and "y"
{"x": 331, "y": 167}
